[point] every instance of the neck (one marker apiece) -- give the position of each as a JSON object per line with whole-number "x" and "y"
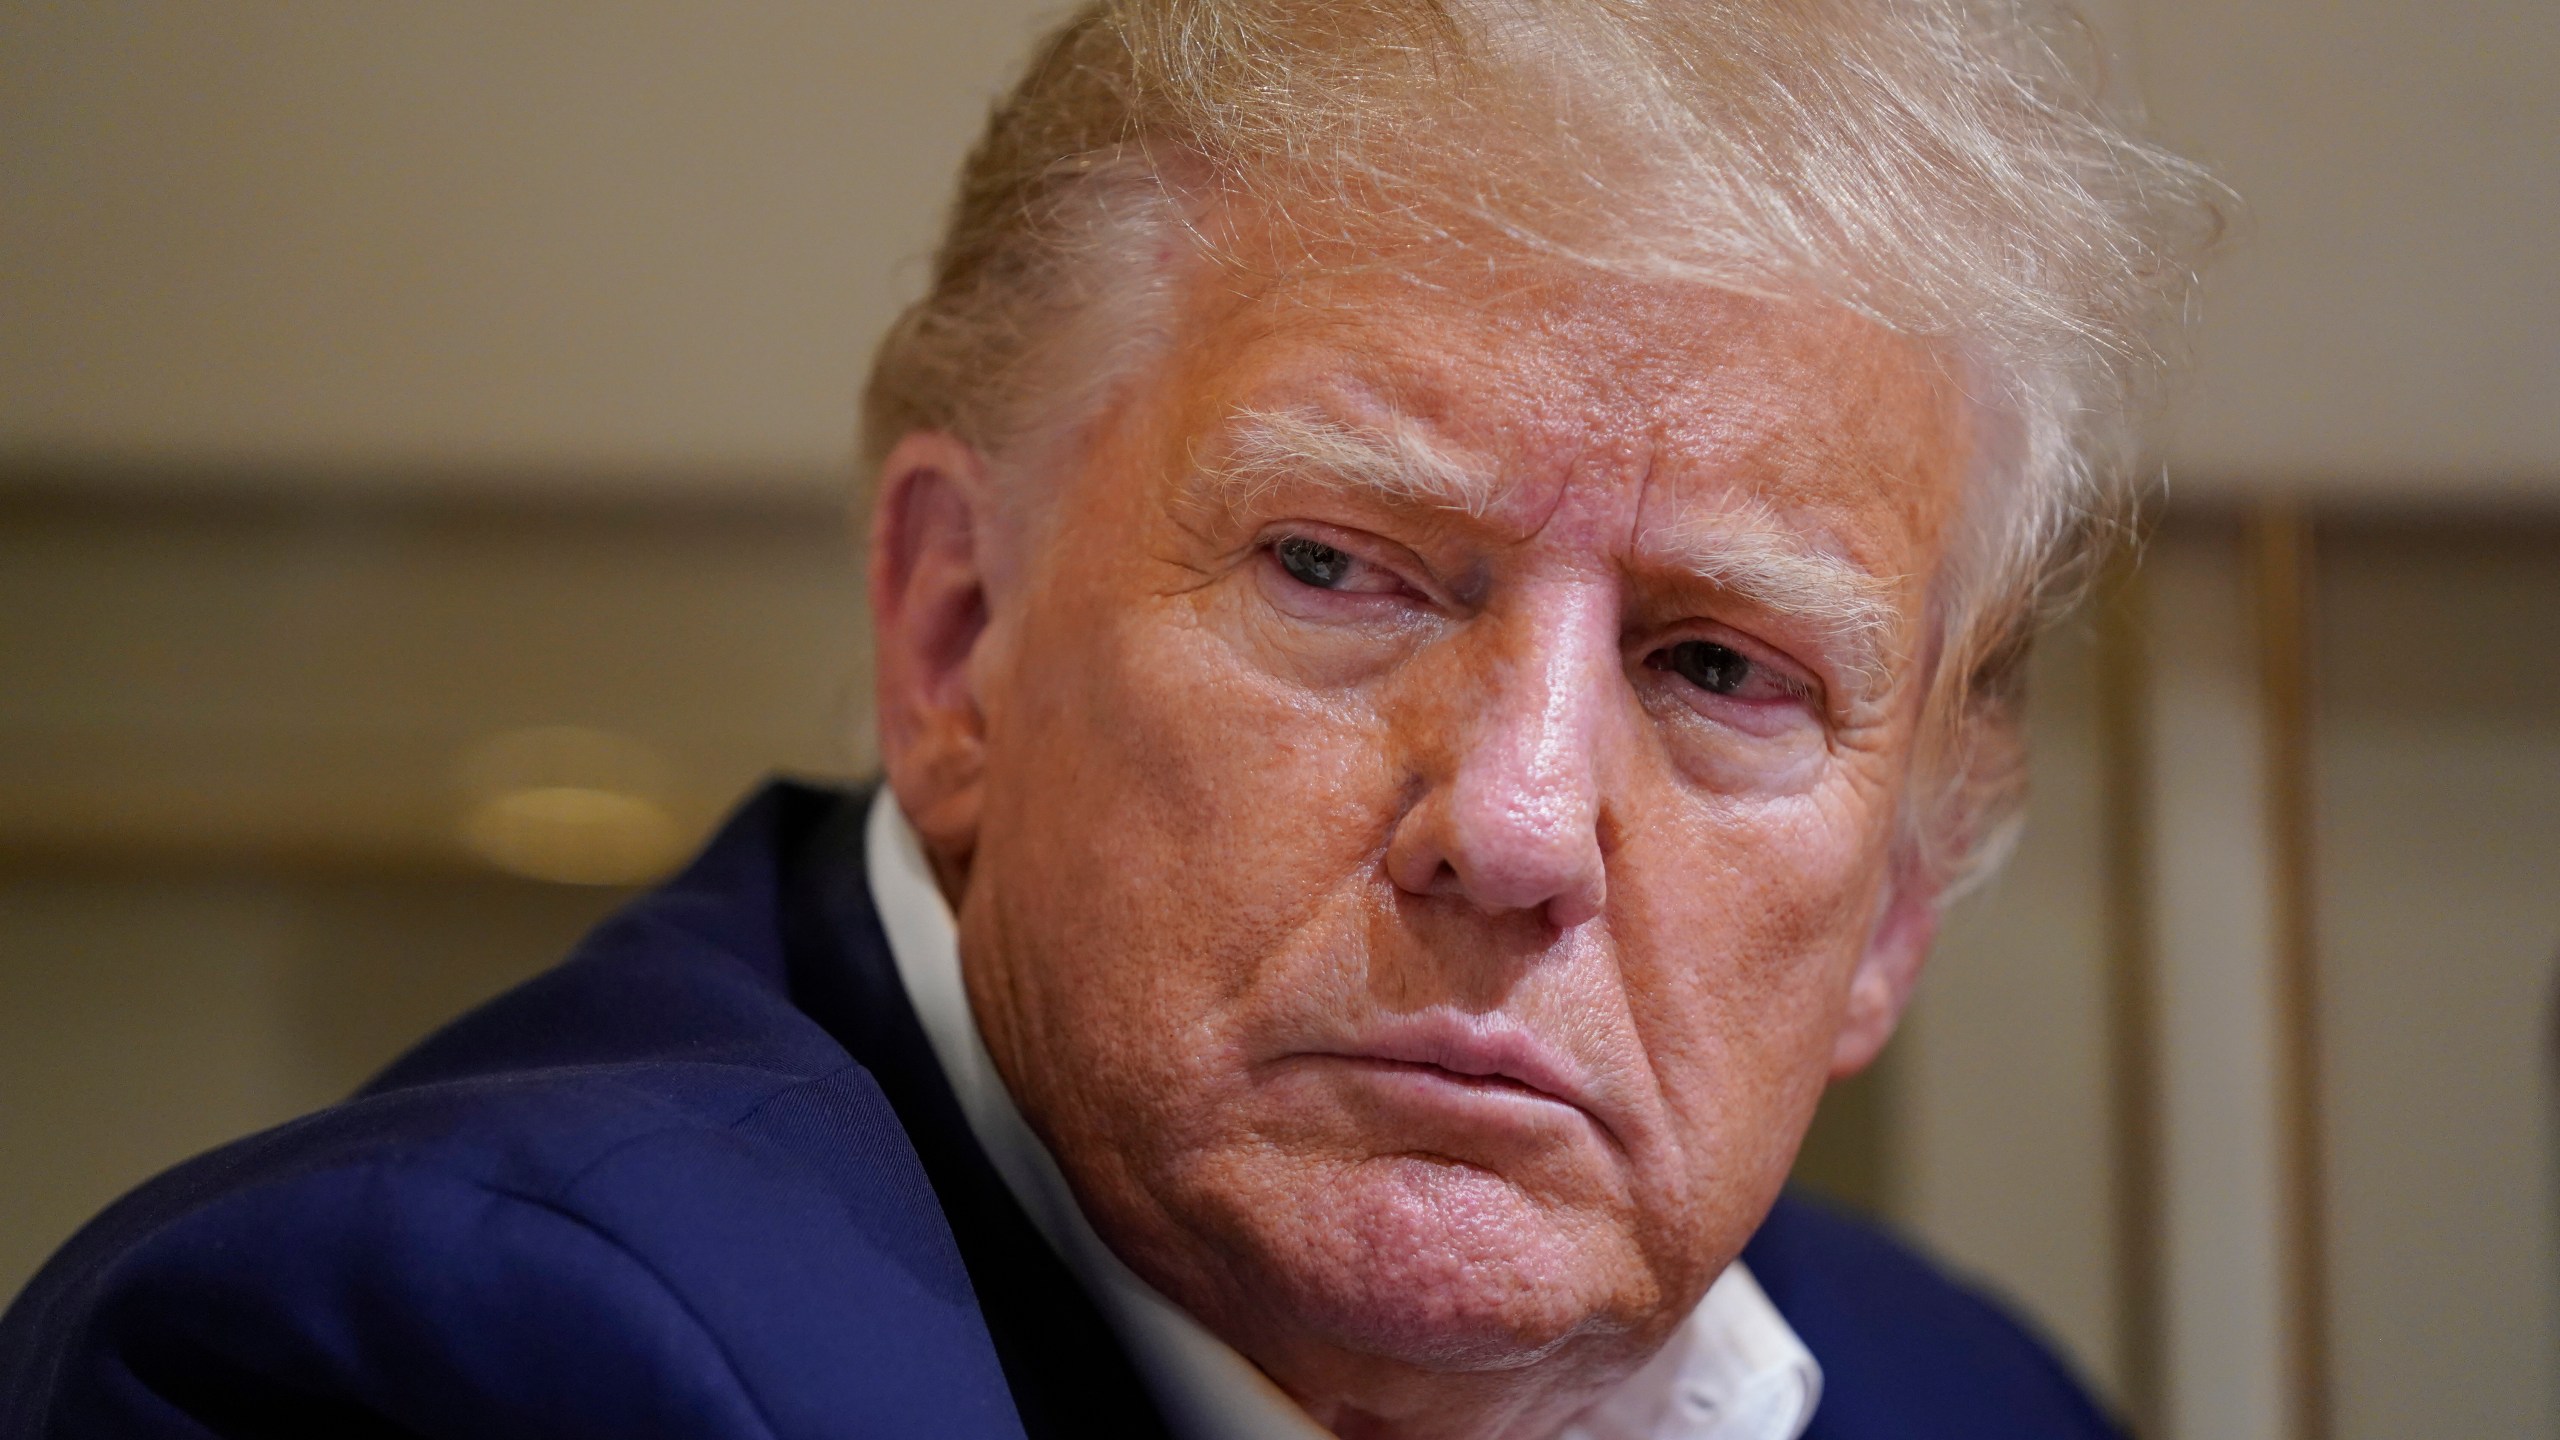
{"x": 1364, "y": 1398}
{"x": 1355, "y": 1392}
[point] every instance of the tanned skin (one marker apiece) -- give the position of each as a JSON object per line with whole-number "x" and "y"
{"x": 1421, "y": 930}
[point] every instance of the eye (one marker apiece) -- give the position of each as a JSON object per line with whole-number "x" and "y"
{"x": 1312, "y": 562}
{"x": 1717, "y": 669}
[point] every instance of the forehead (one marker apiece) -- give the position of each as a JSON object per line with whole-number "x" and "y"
{"x": 1533, "y": 375}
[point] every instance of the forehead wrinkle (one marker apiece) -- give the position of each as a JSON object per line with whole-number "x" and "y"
{"x": 1393, "y": 461}
{"x": 1748, "y": 551}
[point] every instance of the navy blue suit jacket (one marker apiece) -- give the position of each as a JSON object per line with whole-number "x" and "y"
{"x": 705, "y": 1179}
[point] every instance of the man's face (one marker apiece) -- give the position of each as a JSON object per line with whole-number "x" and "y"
{"x": 1429, "y": 837}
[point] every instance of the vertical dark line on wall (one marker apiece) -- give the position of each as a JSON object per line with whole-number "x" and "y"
{"x": 2123, "y": 692}
{"x": 2281, "y": 545}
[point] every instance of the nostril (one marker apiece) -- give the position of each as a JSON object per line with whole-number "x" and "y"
{"x": 1449, "y": 882}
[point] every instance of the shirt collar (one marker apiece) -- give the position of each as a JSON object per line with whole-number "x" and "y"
{"x": 1733, "y": 1371}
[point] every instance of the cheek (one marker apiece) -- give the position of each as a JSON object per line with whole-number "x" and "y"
{"x": 1738, "y": 929}
{"x": 1155, "y": 742}
{"x": 1160, "y": 820}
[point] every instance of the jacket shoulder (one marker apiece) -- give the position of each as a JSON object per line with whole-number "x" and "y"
{"x": 1906, "y": 1352}
{"x": 645, "y": 1248}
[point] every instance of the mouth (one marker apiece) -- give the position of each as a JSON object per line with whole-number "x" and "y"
{"x": 1490, "y": 1068}
{"x": 1489, "y": 1084}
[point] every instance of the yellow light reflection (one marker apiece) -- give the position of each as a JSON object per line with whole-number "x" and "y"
{"x": 571, "y": 805}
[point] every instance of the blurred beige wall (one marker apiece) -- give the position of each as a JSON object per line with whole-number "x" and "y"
{"x": 2439, "y": 850}
{"x": 311, "y": 684}
{"x": 621, "y": 243}
{"x": 2389, "y": 324}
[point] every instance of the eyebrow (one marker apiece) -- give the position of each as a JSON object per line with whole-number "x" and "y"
{"x": 1748, "y": 551}
{"x": 1745, "y": 550}
{"x": 1394, "y": 461}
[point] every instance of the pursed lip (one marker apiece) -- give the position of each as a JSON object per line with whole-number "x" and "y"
{"x": 1476, "y": 1048}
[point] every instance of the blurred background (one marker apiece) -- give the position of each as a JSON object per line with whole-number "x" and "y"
{"x": 424, "y": 463}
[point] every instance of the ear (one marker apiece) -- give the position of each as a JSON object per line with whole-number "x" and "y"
{"x": 931, "y": 535}
{"x": 1880, "y": 988}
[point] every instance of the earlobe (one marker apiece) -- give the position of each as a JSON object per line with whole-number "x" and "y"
{"x": 928, "y": 586}
{"x": 1880, "y": 989}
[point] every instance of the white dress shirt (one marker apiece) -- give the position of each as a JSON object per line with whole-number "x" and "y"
{"x": 1733, "y": 1371}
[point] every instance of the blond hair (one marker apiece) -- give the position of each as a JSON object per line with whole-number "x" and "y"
{"x": 1955, "y": 169}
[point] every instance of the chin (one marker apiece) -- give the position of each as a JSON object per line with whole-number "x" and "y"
{"x": 1436, "y": 1264}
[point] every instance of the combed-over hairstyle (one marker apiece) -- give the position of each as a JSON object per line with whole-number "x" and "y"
{"x": 1954, "y": 169}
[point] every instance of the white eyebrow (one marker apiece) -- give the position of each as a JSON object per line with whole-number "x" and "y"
{"x": 1748, "y": 551}
{"x": 1394, "y": 461}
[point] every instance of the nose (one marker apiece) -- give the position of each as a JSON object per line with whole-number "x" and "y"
{"x": 1510, "y": 814}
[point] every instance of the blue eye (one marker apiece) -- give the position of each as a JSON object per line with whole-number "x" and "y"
{"x": 1311, "y": 562}
{"x": 1718, "y": 669}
